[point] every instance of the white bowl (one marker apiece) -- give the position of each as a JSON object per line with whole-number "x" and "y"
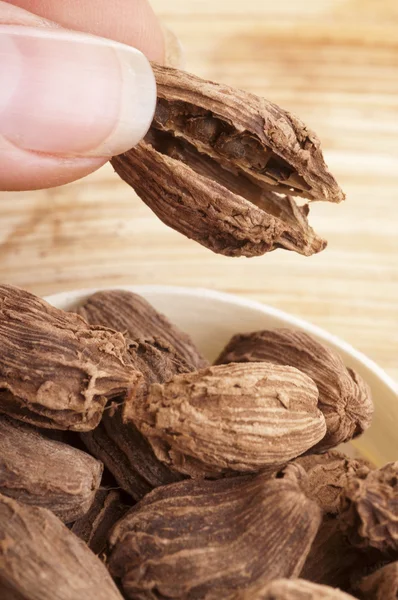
{"x": 211, "y": 318}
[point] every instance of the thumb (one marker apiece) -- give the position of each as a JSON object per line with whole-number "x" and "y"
{"x": 68, "y": 101}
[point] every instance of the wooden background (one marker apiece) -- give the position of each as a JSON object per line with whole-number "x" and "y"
{"x": 334, "y": 63}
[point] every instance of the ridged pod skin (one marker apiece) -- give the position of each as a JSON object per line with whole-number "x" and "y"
{"x": 40, "y": 559}
{"x": 136, "y": 318}
{"x": 118, "y": 442}
{"x": 344, "y": 398}
{"x": 207, "y": 539}
{"x": 56, "y": 371}
{"x": 230, "y": 418}
{"x": 328, "y": 475}
{"x": 94, "y": 527}
{"x": 218, "y": 162}
{"x": 44, "y": 472}
{"x": 369, "y": 509}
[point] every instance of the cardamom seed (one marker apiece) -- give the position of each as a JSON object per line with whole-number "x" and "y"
{"x": 56, "y": 371}
{"x": 344, "y": 398}
{"x": 216, "y": 162}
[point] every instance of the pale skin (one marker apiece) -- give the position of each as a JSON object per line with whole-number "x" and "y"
{"x": 68, "y": 101}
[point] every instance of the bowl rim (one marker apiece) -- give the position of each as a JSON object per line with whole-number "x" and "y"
{"x": 232, "y": 299}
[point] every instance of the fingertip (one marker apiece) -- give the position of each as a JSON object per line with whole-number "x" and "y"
{"x": 70, "y": 94}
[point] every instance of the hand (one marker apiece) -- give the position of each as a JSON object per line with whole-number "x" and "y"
{"x": 68, "y": 100}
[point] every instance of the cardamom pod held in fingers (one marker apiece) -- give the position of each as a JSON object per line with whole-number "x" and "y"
{"x": 118, "y": 442}
{"x": 344, "y": 398}
{"x": 217, "y": 162}
{"x": 44, "y": 472}
{"x": 230, "y": 418}
{"x": 207, "y": 539}
{"x": 136, "y": 318}
{"x": 40, "y": 559}
{"x": 56, "y": 371}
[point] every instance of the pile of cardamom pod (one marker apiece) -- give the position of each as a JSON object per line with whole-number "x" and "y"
{"x": 131, "y": 468}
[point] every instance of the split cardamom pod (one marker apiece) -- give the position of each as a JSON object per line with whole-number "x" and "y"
{"x": 344, "y": 398}
{"x": 133, "y": 316}
{"x": 117, "y": 441}
{"x": 207, "y": 539}
{"x": 94, "y": 527}
{"x": 379, "y": 585}
{"x": 57, "y": 371}
{"x": 230, "y": 418}
{"x": 369, "y": 509}
{"x": 217, "y": 163}
{"x": 43, "y": 472}
{"x": 40, "y": 559}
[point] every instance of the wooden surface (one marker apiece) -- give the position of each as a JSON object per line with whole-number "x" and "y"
{"x": 334, "y": 63}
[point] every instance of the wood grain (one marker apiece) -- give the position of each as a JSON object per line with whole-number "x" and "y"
{"x": 334, "y": 63}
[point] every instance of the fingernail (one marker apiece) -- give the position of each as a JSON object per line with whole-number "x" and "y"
{"x": 68, "y": 93}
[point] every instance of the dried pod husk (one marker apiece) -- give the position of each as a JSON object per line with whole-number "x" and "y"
{"x": 217, "y": 162}
{"x": 133, "y": 316}
{"x": 117, "y": 441}
{"x": 344, "y": 398}
{"x": 56, "y": 371}
{"x": 328, "y": 475}
{"x": 369, "y": 509}
{"x": 157, "y": 360}
{"x": 293, "y": 589}
{"x": 40, "y": 559}
{"x": 380, "y": 585}
{"x": 230, "y": 418}
{"x": 43, "y": 472}
{"x": 333, "y": 560}
{"x": 94, "y": 527}
{"x": 206, "y": 539}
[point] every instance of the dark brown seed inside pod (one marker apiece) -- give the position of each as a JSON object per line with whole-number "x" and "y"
{"x": 217, "y": 164}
